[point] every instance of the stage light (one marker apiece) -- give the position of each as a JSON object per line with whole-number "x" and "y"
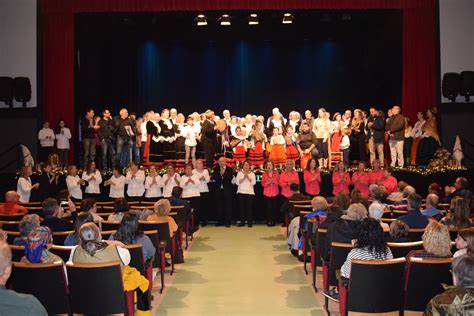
{"x": 201, "y": 20}
{"x": 287, "y": 18}
{"x": 224, "y": 19}
{"x": 253, "y": 19}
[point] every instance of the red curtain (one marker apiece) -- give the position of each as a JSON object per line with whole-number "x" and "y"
{"x": 419, "y": 49}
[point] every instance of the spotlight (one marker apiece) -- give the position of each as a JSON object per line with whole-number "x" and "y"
{"x": 253, "y": 19}
{"x": 224, "y": 19}
{"x": 287, "y": 18}
{"x": 201, "y": 20}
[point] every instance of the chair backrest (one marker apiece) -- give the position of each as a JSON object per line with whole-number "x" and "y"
{"x": 45, "y": 281}
{"x": 147, "y": 203}
{"x": 134, "y": 203}
{"x": 320, "y": 244}
{"x": 153, "y": 235}
{"x": 106, "y": 234}
{"x": 415, "y": 234}
{"x": 11, "y": 217}
{"x": 105, "y": 216}
{"x": 28, "y": 204}
{"x": 106, "y": 225}
{"x": 107, "y": 209}
{"x": 11, "y": 236}
{"x": 339, "y": 252}
{"x": 453, "y": 233}
{"x": 11, "y": 226}
{"x": 180, "y": 217}
{"x": 60, "y": 237}
{"x": 62, "y": 251}
{"x": 401, "y": 249}
{"x": 96, "y": 288}
{"x": 108, "y": 203}
{"x": 38, "y": 210}
{"x": 302, "y": 210}
{"x": 136, "y": 257}
{"x": 383, "y": 279}
{"x": 424, "y": 277}
{"x": 163, "y": 231}
{"x": 17, "y": 252}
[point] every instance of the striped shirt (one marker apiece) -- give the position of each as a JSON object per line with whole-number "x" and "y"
{"x": 362, "y": 254}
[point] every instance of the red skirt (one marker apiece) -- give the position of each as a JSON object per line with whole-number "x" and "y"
{"x": 292, "y": 153}
{"x": 256, "y": 155}
{"x": 239, "y": 153}
{"x": 278, "y": 154}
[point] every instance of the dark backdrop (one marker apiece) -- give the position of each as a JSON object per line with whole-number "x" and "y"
{"x": 337, "y": 59}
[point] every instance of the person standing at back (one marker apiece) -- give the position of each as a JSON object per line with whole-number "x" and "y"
{"x": 46, "y": 138}
{"x": 209, "y": 138}
{"x": 106, "y": 136}
{"x": 87, "y": 131}
{"x": 396, "y": 130}
{"x": 375, "y": 135}
{"x": 222, "y": 176}
{"x": 125, "y": 129}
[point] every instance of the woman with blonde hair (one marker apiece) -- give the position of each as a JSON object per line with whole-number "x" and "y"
{"x": 436, "y": 242}
{"x": 24, "y": 186}
{"x": 161, "y": 211}
{"x": 458, "y": 216}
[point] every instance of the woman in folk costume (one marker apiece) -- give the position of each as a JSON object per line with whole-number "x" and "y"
{"x": 155, "y": 141}
{"x": 336, "y": 131}
{"x": 257, "y": 145}
{"x": 239, "y": 146}
{"x": 430, "y": 140}
{"x": 290, "y": 142}
{"x": 294, "y": 120}
{"x": 277, "y": 143}
{"x": 416, "y": 135}
{"x": 178, "y": 129}
{"x": 168, "y": 135}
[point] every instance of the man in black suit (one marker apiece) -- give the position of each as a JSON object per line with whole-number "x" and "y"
{"x": 209, "y": 138}
{"x": 222, "y": 176}
{"x": 375, "y": 135}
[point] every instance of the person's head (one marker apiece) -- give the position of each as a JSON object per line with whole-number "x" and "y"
{"x": 463, "y": 271}
{"x": 165, "y": 113}
{"x": 388, "y": 171}
{"x": 435, "y": 188}
{"x": 436, "y": 239}
{"x": 162, "y": 207}
{"x": 133, "y": 166}
{"x": 72, "y": 170}
{"x": 376, "y": 211}
{"x": 276, "y": 131}
{"x": 308, "y": 115}
{"x": 12, "y": 196}
{"x": 304, "y": 127}
{"x": 322, "y": 113}
{"x": 342, "y": 199}
{"x": 38, "y": 240}
{"x": 337, "y": 117}
{"x": 170, "y": 169}
{"x": 341, "y": 167}
{"x": 246, "y": 166}
{"x": 173, "y": 113}
{"x": 460, "y": 211}
{"x": 89, "y": 205}
{"x": 396, "y": 110}
{"x": 47, "y": 168}
{"x": 121, "y": 205}
{"x": 335, "y": 209}
{"x": 90, "y": 167}
{"x": 360, "y": 198}
{"x": 290, "y": 165}
{"x": 123, "y": 113}
{"x": 238, "y": 131}
{"x": 361, "y": 166}
{"x": 5, "y": 262}
{"x": 311, "y": 164}
{"x": 347, "y": 114}
{"x": 465, "y": 240}
{"x": 376, "y": 193}
{"x": 90, "y": 238}
{"x": 295, "y": 187}
{"x": 356, "y": 212}
{"x": 61, "y": 124}
{"x": 106, "y": 114}
{"x": 414, "y": 201}
{"x": 373, "y": 111}
{"x": 420, "y": 116}
{"x": 319, "y": 203}
{"x": 222, "y": 162}
{"x": 269, "y": 166}
{"x": 25, "y": 171}
{"x": 177, "y": 192}
{"x": 431, "y": 200}
{"x": 188, "y": 169}
{"x": 461, "y": 183}
{"x": 407, "y": 191}
{"x": 27, "y": 224}
{"x": 371, "y": 236}
{"x": 401, "y": 185}
{"x": 81, "y": 219}
{"x": 128, "y": 229}
{"x": 226, "y": 114}
{"x": 398, "y": 229}
{"x": 376, "y": 164}
{"x": 358, "y": 115}
{"x": 89, "y": 113}
{"x": 152, "y": 171}
{"x": 289, "y": 130}
{"x": 50, "y": 207}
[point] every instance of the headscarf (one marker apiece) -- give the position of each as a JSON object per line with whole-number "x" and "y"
{"x": 38, "y": 240}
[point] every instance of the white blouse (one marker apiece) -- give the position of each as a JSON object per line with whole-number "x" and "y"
{"x": 136, "y": 186}
{"x": 46, "y": 137}
{"x": 74, "y": 187}
{"x": 246, "y": 187}
{"x": 93, "y": 186}
{"x": 202, "y": 186}
{"x": 190, "y": 189}
{"x": 191, "y": 134}
{"x": 23, "y": 188}
{"x": 153, "y": 190}
{"x": 63, "y": 139}
{"x": 168, "y": 187}
{"x": 118, "y": 189}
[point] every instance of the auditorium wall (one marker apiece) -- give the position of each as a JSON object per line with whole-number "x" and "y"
{"x": 18, "y": 43}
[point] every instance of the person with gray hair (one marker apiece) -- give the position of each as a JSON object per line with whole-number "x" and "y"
{"x": 456, "y": 300}
{"x": 431, "y": 211}
{"x": 27, "y": 224}
{"x": 12, "y": 303}
{"x": 414, "y": 218}
{"x": 376, "y": 211}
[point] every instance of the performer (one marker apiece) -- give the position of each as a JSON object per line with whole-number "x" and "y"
{"x": 168, "y": 135}
{"x": 191, "y": 134}
{"x": 322, "y": 130}
{"x": 63, "y": 135}
{"x": 345, "y": 145}
{"x": 277, "y": 151}
{"x": 48, "y": 183}
{"x": 306, "y": 142}
{"x": 312, "y": 178}
{"x": 209, "y": 138}
{"x": 270, "y": 181}
{"x": 308, "y": 118}
{"x": 153, "y": 185}
{"x": 245, "y": 181}
{"x": 204, "y": 178}
{"x": 288, "y": 177}
{"x": 154, "y": 139}
{"x": 360, "y": 179}
{"x": 135, "y": 180}
{"x": 358, "y": 135}
{"x": 294, "y": 121}
{"x": 340, "y": 179}
{"x": 396, "y": 127}
{"x": 389, "y": 181}
{"x": 276, "y": 120}
{"x": 257, "y": 145}
{"x": 46, "y": 138}
{"x": 290, "y": 142}
{"x": 74, "y": 184}
{"x": 416, "y": 135}
{"x": 125, "y": 132}
{"x": 178, "y": 129}
{"x": 190, "y": 184}
{"x": 222, "y": 176}
{"x": 106, "y": 133}
{"x": 93, "y": 178}
{"x": 117, "y": 184}
{"x": 375, "y": 134}
{"x": 170, "y": 180}
{"x": 87, "y": 129}
{"x": 24, "y": 186}
{"x": 239, "y": 146}
{"x": 430, "y": 141}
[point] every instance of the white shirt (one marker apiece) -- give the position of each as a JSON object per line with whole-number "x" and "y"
{"x": 143, "y": 131}
{"x": 118, "y": 189}
{"x": 93, "y": 186}
{"x": 345, "y": 142}
{"x": 46, "y": 137}
{"x": 202, "y": 186}
{"x": 153, "y": 190}
{"x": 124, "y": 255}
{"x": 191, "y": 189}
{"x": 417, "y": 130}
{"x": 191, "y": 133}
{"x": 23, "y": 188}
{"x": 63, "y": 139}
{"x": 73, "y": 187}
{"x": 246, "y": 187}
{"x": 167, "y": 188}
{"x": 136, "y": 186}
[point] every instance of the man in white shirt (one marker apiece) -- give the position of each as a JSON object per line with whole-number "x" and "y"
{"x": 46, "y": 138}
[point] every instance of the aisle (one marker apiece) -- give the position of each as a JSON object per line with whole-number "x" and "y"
{"x": 240, "y": 271}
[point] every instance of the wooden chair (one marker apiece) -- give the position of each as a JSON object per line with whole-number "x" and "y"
{"x": 159, "y": 258}
{"x": 105, "y": 216}
{"x": 11, "y": 218}
{"x": 293, "y": 203}
{"x": 45, "y": 281}
{"x": 60, "y": 237}
{"x": 11, "y": 226}
{"x": 138, "y": 262}
{"x": 415, "y": 234}
{"x": 17, "y": 252}
{"x": 165, "y": 236}
{"x": 62, "y": 251}
{"x": 28, "y": 204}
{"x": 303, "y": 210}
{"x": 107, "y": 233}
{"x": 106, "y": 203}
{"x": 11, "y": 236}
{"x": 317, "y": 247}
{"x": 106, "y": 225}
{"x": 401, "y": 249}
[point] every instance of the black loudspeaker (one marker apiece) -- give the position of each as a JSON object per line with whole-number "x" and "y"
{"x": 451, "y": 85}
{"x": 6, "y": 90}
{"x": 22, "y": 90}
{"x": 466, "y": 84}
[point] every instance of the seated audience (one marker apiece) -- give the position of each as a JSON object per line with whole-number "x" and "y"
{"x": 92, "y": 249}
{"x": 458, "y": 215}
{"x": 36, "y": 251}
{"x": 128, "y": 233}
{"x": 398, "y": 232}
{"x": 456, "y": 300}
{"x": 461, "y": 189}
{"x": 334, "y": 212}
{"x": 464, "y": 243}
{"x": 431, "y": 211}
{"x": 435, "y": 188}
{"x": 376, "y": 211}
{"x": 81, "y": 219}
{"x": 11, "y": 206}
{"x": 52, "y": 216}
{"x": 287, "y": 207}
{"x": 389, "y": 181}
{"x": 398, "y": 195}
{"x": 406, "y": 192}
{"x": 120, "y": 208}
{"x": 436, "y": 242}
{"x": 176, "y": 200}
{"x": 342, "y": 199}
{"x": 11, "y": 302}
{"x": 27, "y": 224}
{"x": 361, "y": 199}
{"x": 90, "y": 206}
{"x": 161, "y": 209}
{"x": 414, "y": 218}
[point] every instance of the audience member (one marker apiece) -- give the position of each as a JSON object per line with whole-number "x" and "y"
{"x": 52, "y": 216}
{"x": 376, "y": 211}
{"x": 161, "y": 212}
{"x": 90, "y": 205}
{"x": 436, "y": 242}
{"x": 435, "y": 188}
{"x": 27, "y": 224}
{"x": 11, "y": 206}
{"x": 464, "y": 243}
{"x": 343, "y": 200}
{"x": 81, "y": 219}
{"x": 431, "y": 211}
{"x": 120, "y": 208}
{"x": 397, "y": 196}
{"x": 398, "y": 232}
{"x": 36, "y": 250}
{"x": 414, "y": 218}
{"x": 458, "y": 215}
{"x": 461, "y": 188}
{"x": 296, "y": 195}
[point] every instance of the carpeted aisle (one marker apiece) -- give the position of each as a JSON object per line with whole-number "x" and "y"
{"x": 240, "y": 271}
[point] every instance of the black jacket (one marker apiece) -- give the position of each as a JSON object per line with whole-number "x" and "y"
{"x": 377, "y": 129}
{"x": 223, "y": 181}
{"x": 86, "y": 129}
{"x": 208, "y": 133}
{"x": 106, "y": 129}
{"x": 342, "y": 230}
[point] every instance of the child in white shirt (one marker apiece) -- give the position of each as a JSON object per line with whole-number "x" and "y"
{"x": 190, "y": 133}
{"x": 345, "y": 145}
